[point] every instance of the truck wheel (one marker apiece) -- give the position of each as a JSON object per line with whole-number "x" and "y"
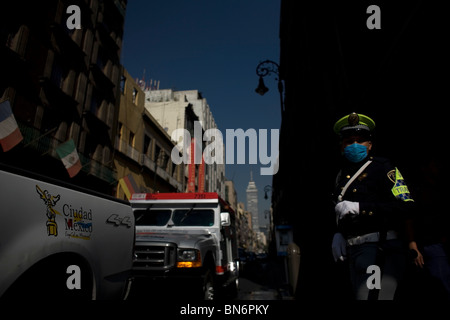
{"x": 233, "y": 288}
{"x": 209, "y": 290}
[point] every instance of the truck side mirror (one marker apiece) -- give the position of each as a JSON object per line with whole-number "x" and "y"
{"x": 225, "y": 220}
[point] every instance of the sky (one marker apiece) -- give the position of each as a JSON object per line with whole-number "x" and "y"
{"x": 214, "y": 47}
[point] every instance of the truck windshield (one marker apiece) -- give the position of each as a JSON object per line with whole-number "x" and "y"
{"x": 193, "y": 217}
{"x": 152, "y": 217}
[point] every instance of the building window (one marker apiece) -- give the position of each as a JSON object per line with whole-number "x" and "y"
{"x": 147, "y": 145}
{"x": 96, "y": 101}
{"x": 131, "y": 140}
{"x": 157, "y": 154}
{"x": 135, "y": 93}
{"x": 122, "y": 84}
{"x": 173, "y": 171}
{"x": 164, "y": 160}
{"x": 57, "y": 75}
{"x": 120, "y": 130}
{"x": 101, "y": 58}
{"x": 106, "y": 156}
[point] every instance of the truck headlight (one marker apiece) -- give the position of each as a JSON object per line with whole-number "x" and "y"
{"x": 188, "y": 258}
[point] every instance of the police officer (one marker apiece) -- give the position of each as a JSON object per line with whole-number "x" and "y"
{"x": 372, "y": 206}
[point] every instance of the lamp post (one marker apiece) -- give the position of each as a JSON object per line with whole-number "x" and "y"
{"x": 265, "y": 68}
{"x": 267, "y": 188}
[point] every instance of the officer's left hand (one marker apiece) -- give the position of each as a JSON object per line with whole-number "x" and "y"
{"x": 346, "y": 207}
{"x": 339, "y": 247}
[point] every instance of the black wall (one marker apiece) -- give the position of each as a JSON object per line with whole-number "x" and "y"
{"x": 332, "y": 65}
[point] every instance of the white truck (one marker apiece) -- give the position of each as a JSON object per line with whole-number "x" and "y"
{"x": 60, "y": 241}
{"x": 190, "y": 236}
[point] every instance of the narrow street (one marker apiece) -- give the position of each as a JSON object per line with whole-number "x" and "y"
{"x": 249, "y": 290}
{"x": 259, "y": 280}
{"x": 263, "y": 280}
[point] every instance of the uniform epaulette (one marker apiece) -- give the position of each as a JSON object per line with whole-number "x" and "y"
{"x": 380, "y": 160}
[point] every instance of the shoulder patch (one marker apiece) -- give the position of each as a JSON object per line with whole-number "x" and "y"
{"x": 400, "y": 189}
{"x": 391, "y": 175}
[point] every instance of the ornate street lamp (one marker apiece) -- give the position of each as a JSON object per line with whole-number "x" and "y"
{"x": 267, "y": 188}
{"x": 265, "y": 68}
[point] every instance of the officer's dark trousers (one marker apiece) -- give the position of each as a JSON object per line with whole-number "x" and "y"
{"x": 437, "y": 263}
{"x": 391, "y": 260}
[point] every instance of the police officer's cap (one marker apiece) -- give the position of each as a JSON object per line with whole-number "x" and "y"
{"x": 354, "y": 124}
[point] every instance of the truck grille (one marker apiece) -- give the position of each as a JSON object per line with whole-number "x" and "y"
{"x": 154, "y": 256}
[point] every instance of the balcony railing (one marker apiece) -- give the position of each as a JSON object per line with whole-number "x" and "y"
{"x": 44, "y": 144}
{"x": 145, "y": 161}
{"x": 128, "y": 150}
{"x": 98, "y": 169}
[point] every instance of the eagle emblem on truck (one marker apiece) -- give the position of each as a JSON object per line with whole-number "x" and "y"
{"x": 50, "y": 201}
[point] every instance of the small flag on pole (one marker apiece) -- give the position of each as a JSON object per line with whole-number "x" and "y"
{"x": 10, "y": 134}
{"x": 69, "y": 156}
{"x": 128, "y": 185}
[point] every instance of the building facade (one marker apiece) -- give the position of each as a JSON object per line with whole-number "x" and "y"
{"x": 332, "y": 64}
{"x": 244, "y": 228}
{"x": 142, "y": 146}
{"x": 182, "y": 110}
{"x": 231, "y": 194}
{"x": 62, "y": 84}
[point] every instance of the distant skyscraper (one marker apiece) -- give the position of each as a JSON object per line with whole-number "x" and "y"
{"x": 252, "y": 203}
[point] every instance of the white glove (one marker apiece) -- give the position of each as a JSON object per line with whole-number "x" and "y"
{"x": 339, "y": 247}
{"x": 346, "y": 207}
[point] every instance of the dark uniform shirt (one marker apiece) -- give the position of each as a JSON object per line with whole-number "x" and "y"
{"x": 384, "y": 199}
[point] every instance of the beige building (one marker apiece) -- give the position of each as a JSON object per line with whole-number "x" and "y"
{"x": 231, "y": 194}
{"x": 171, "y": 111}
{"x": 244, "y": 228}
{"x": 178, "y": 110}
{"x": 142, "y": 146}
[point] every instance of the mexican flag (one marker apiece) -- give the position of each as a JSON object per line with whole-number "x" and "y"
{"x": 10, "y": 134}
{"x": 69, "y": 156}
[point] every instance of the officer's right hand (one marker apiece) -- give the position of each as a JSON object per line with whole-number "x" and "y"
{"x": 346, "y": 207}
{"x": 339, "y": 247}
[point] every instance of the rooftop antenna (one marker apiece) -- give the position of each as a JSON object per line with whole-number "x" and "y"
{"x": 142, "y": 82}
